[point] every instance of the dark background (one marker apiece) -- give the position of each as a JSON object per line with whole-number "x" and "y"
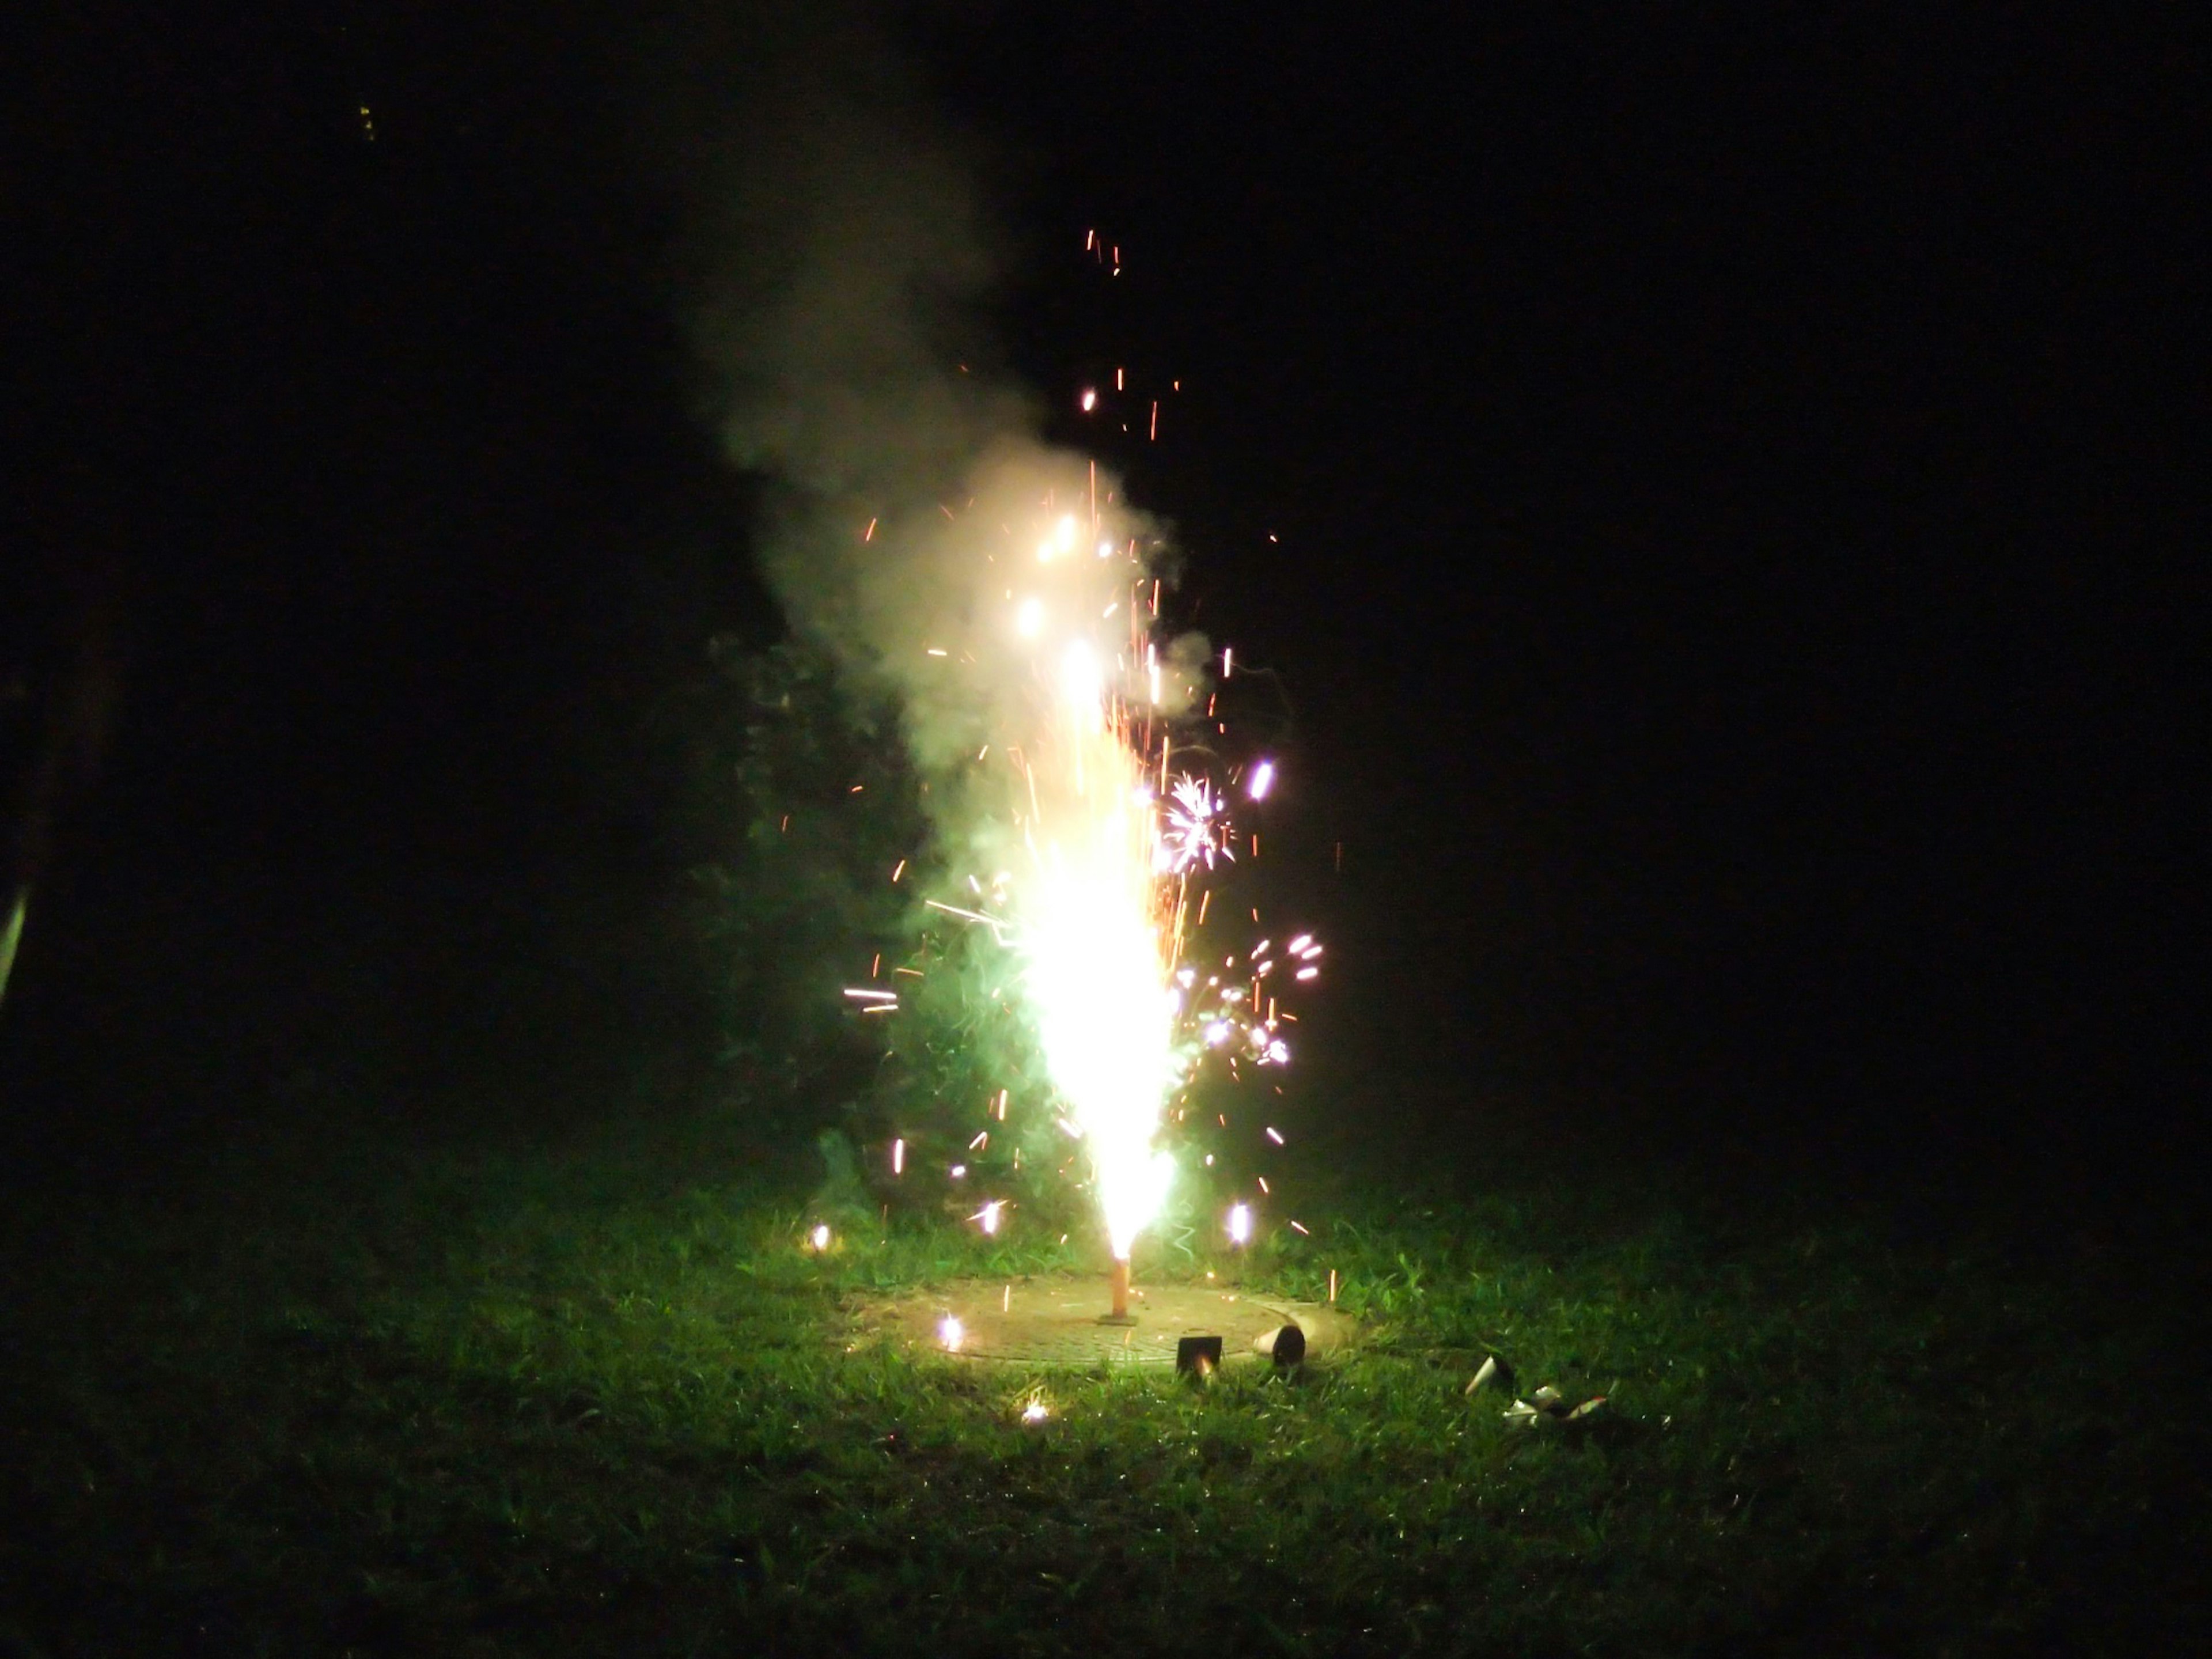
{"x": 1722, "y": 496}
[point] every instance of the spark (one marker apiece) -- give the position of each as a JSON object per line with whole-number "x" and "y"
{"x": 898, "y": 1158}
{"x": 1261, "y": 780}
{"x": 1035, "y": 1412}
{"x": 819, "y": 1238}
{"x": 950, "y": 1332}
{"x": 1193, "y": 834}
{"x": 989, "y": 1217}
{"x": 993, "y": 923}
{"x": 1240, "y": 1223}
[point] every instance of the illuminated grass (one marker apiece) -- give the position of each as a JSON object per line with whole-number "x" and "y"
{"x": 588, "y": 1404}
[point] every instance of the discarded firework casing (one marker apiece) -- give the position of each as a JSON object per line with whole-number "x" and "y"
{"x": 1285, "y": 1344}
{"x": 1495, "y": 1374}
{"x": 1548, "y": 1405}
{"x": 1200, "y": 1355}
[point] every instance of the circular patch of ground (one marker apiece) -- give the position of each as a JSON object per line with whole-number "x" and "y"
{"x": 1055, "y": 1321}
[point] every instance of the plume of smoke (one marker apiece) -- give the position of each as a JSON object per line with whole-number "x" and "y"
{"x": 843, "y": 255}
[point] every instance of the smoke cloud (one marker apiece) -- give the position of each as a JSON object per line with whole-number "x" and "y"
{"x": 843, "y": 259}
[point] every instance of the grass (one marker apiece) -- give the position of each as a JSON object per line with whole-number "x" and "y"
{"x": 596, "y": 1401}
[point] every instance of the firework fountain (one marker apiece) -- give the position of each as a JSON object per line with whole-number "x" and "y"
{"x": 1010, "y": 600}
{"x": 1090, "y": 800}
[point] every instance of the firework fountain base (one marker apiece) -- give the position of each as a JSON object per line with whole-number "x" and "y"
{"x": 1117, "y": 1289}
{"x": 1054, "y": 1324}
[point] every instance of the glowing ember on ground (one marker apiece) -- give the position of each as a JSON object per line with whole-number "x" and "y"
{"x": 950, "y": 1332}
{"x": 819, "y": 1238}
{"x": 1035, "y": 1412}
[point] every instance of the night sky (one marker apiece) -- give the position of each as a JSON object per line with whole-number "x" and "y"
{"x": 1724, "y": 499}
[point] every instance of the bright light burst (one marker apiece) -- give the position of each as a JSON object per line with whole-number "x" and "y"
{"x": 1103, "y": 832}
{"x": 1103, "y": 914}
{"x": 1195, "y": 832}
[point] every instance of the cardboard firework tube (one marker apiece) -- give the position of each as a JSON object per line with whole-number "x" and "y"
{"x": 1118, "y": 1280}
{"x": 1198, "y": 1356}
